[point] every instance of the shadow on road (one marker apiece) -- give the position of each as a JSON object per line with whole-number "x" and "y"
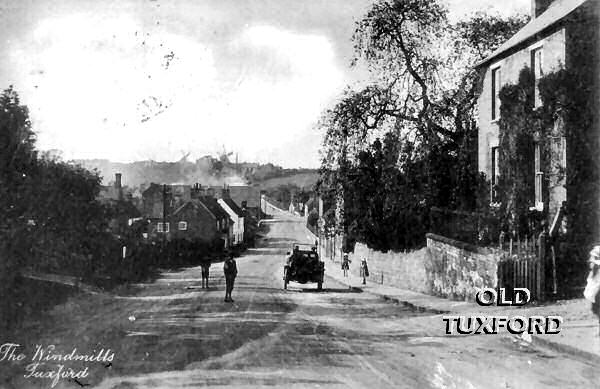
{"x": 266, "y": 251}
{"x": 325, "y": 290}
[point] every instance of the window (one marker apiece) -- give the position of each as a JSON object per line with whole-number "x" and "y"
{"x": 162, "y": 227}
{"x": 496, "y": 93}
{"x": 536, "y": 66}
{"x": 495, "y": 173}
{"x": 539, "y": 179}
{"x": 182, "y": 226}
{"x": 218, "y": 224}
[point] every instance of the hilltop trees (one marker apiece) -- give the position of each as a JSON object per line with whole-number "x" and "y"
{"x": 406, "y": 142}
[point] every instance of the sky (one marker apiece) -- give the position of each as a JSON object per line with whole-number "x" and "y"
{"x": 130, "y": 80}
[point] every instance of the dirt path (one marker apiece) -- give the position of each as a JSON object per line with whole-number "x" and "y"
{"x": 172, "y": 334}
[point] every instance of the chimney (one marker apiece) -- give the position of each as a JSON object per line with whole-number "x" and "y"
{"x": 225, "y": 193}
{"x": 196, "y": 191}
{"x": 118, "y": 186}
{"x": 538, "y": 7}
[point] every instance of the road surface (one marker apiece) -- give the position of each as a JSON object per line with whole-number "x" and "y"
{"x": 171, "y": 334}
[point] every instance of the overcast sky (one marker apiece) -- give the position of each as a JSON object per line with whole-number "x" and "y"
{"x": 130, "y": 79}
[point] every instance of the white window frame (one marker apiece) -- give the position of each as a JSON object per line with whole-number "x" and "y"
{"x": 496, "y": 85}
{"x": 160, "y": 227}
{"x": 182, "y": 225}
{"x": 539, "y": 178}
{"x": 537, "y": 100}
{"x": 495, "y": 171}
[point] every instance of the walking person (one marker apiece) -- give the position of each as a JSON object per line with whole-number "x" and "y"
{"x": 592, "y": 288}
{"x": 230, "y": 270}
{"x": 346, "y": 265}
{"x": 205, "y": 265}
{"x": 364, "y": 270}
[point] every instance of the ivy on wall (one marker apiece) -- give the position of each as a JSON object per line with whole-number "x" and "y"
{"x": 518, "y": 125}
{"x": 566, "y": 110}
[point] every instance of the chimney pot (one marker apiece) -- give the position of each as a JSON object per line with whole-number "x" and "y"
{"x": 539, "y": 6}
{"x": 117, "y": 180}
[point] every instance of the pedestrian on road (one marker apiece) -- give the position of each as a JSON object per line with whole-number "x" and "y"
{"x": 592, "y": 288}
{"x": 205, "y": 265}
{"x": 346, "y": 265}
{"x": 364, "y": 270}
{"x": 230, "y": 270}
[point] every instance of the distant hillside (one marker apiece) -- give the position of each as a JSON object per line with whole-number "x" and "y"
{"x": 207, "y": 170}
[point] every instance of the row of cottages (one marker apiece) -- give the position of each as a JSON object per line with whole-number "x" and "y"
{"x": 193, "y": 213}
{"x": 561, "y": 35}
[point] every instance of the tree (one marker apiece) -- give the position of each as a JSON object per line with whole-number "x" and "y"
{"x": 423, "y": 97}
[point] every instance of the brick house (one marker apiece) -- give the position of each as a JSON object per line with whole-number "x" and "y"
{"x": 185, "y": 212}
{"x": 200, "y": 219}
{"x": 562, "y": 34}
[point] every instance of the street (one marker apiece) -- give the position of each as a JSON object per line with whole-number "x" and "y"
{"x": 170, "y": 333}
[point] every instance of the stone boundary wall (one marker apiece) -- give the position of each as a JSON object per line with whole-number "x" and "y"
{"x": 402, "y": 270}
{"x": 457, "y": 270}
{"x": 446, "y": 267}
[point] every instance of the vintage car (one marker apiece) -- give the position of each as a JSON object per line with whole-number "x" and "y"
{"x": 303, "y": 265}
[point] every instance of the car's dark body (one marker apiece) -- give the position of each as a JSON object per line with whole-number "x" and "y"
{"x": 304, "y": 266}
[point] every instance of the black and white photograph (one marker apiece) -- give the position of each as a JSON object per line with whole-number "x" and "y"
{"x": 299, "y": 194}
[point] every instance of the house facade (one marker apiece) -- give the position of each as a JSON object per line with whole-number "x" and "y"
{"x": 156, "y": 201}
{"x": 185, "y": 212}
{"x": 237, "y": 217}
{"x": 562, "y": 34}
{"x": 195, "y": 221}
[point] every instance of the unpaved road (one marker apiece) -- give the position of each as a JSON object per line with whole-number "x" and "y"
{"x": 172, "y": 334}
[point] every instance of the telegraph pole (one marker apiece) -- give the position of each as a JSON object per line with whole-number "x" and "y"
{"x": 164, "y": 213}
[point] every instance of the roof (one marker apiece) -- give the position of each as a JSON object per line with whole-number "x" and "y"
{"x": 181, "y": 208}
{"x": 250, "y": 194}
{"x": 152, "y": 189}
{"x": 239, "y": 193}
{"x": 213, "y": 207}
{"x": 234, "y": 207}
{"x": 558, "y": 10}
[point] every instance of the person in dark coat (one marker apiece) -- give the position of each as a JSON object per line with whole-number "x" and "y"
{"x": 230, "y": 270}
{"x": 346, "y": 264}
{"x": 205, "y": 265}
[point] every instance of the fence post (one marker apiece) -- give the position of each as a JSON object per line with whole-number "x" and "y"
{"x": 541, "y": 284}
